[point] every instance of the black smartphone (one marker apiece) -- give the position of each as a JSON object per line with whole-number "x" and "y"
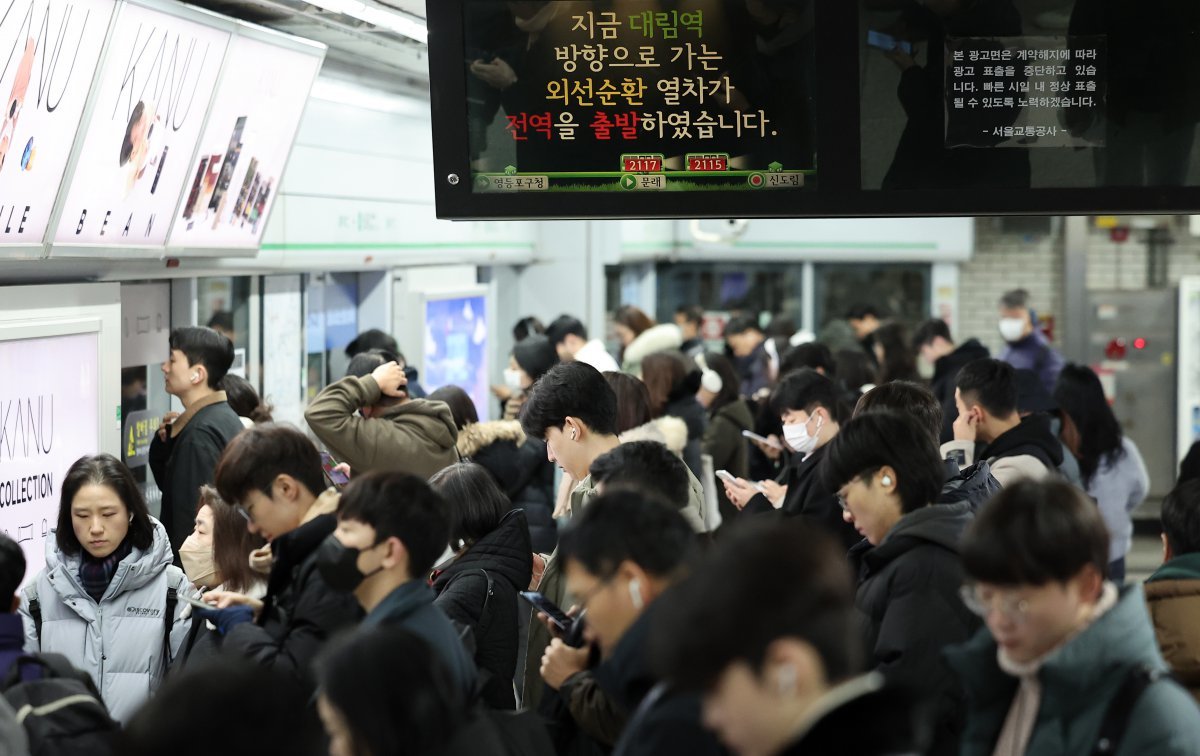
{"x": 558, "y": 617}
{"x": 329, "y": 465}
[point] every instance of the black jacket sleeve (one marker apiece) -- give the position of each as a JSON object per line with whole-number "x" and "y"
{"x": 289, "y": 641}
{"x": 462, "y": 600}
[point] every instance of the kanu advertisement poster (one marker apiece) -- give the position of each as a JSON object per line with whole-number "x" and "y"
{"x": 151, "y": 98}
{"x": 48, "y": 419}
{"x": 246, "y": 142}
{"x": 49, "y": 50}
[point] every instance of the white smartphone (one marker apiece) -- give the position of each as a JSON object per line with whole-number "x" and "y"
{"x": 197, "y": 603}
{"x": 762, "y": 440}
{"x": 727, "y": 476}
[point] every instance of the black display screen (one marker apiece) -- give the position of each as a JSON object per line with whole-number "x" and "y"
{"x": 635, "y": 96}
{"x": 813, "y": 108}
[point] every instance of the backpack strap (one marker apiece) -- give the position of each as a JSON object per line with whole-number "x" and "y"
{"x": 1120, "y": 709}
{"x": 35, "y": 609}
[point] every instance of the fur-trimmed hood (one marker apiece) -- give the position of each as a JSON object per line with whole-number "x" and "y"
{"x": 669, "y": 431}
{"x": 477, "y": 436}
{"x": 660, "y": 338}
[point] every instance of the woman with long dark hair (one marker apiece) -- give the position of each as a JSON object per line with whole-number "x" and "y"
{"x": 1110, "y": 463}
{"x": 492, "y": 562}
{"x": 673, "y": 381}
{"x": 893, "y": 352}
{"x": 102, "y": 600}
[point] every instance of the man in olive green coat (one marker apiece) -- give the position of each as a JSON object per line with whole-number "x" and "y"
{"x": 368, "y": 421}
{"x": 1061, "y": 641}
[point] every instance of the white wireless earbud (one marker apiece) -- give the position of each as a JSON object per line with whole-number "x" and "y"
{"x": 787, "y": 680}
{"x": 195, "y": 377}
{"x": 887, "y": 480}
{"x": 573, "y": 432}
{"x": 635, "y": 594}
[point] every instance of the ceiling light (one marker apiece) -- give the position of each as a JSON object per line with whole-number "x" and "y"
{"x": 401, "y": 23}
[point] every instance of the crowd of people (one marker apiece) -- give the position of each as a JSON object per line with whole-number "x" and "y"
{"x": 771, "y": 547}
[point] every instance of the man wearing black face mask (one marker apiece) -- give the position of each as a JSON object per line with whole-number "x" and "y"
{"x": 391, "y": 529}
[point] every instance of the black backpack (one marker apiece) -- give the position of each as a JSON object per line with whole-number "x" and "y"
{"x": 61, "y": 711}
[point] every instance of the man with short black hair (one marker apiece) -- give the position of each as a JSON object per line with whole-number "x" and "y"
{"x": 1026, "y": 347}
{"x": 185, "y": 450}
{"x": 690, "y": 318}
{"x": 1067, "y": 660}
{"x": 975, "y": 484}
{"x": 368, "y": 421}
{"x": 765, "y": 628}
{"x": 647, "y": 466}
{"x": 747, "y": 344}
{"x": 272, "y": 475}
{"x": 810, "y": 409}
{"x": 986, "y": 396}
{"x": 621, "y": 554}
{"x": 813, "y": 355}
{"x": 1173, "y": 591}
{"x": 570, "y": 339}
{"x": 391, "y": 530}
{"x": 932, "y": 343}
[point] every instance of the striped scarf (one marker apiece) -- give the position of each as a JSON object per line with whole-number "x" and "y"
{"x": 95, "y": 574}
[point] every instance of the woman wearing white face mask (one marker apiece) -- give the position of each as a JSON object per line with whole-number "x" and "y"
{"x": 216, "y": 557}
{"x": 808, "y": 405}
{"x": 530, "y": 359}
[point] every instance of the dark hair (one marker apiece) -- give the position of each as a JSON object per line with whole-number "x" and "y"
{"x": 991, "y": 384}
{"x": 474, "y": 506}
{"x": 12, "y": 570}
{"x": 691, "y": 313}
{"x": 811, "y": 355}
{"x": 373, "y": 339}
{"x": 222, "y": 319}
{"x": 267, "y": 701}
{"x": 633, "y": 401}
{"x": 393, "y": 691}
{"x": 1033, "y": 533}
{"x": 854, "y": 368}
{"x": 460, "y": 403}
{"x": 127, "y": 142}
{"x": 1015, "y": 299}
{"x": 258, "y": 455}
{"x": 364, "y": 363}
{"x": 907, "y": 399}
{"x": 204, "y": 346}
{"x": 108, "y": 471}
{"x": 664, "y": 373}
{"x": 1181, "y": 518}
{"x": 805, "y": 390}
{"x": 740, "y": 324}
{"x": 244, "y": 400}
{"x": 899, "y": 363}
{"x": 535, "y": 355}
{"x": 398, "y": 505}
{"x": 526, "y": 327}
{"x": 627, "y": 525}
{"x": 563, "y": 326}
{"x": 730, "y": 382}
{"x": 1079, "y": 394}
{"x": 872, "y": 440}
{"x": 232, "y": 542}
{"x": 649, "y": 467}
{"x": 761, "y": 582}
{"x": 633, "y": 318}
{"x": 929, "y": 330}
{"x": 573, "y": 389}
{"x": 860, "y": 310}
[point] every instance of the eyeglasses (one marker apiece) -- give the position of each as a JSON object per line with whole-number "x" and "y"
{"x": 841, "y": 500}
{"x": 1012, "y": 607}
{"x": 244, "y": 511}
{"x": 582, "y": 601}
{"x": 862, "y": 476}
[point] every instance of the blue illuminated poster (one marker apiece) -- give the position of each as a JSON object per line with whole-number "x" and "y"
{"x": 456, "y": 346}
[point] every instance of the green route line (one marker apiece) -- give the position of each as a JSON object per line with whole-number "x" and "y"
{"x": 619, "y": 174}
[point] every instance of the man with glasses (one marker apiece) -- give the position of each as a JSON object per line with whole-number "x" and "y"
{"x": 887, "y": 474}
{"x": 620, "y": 555}
{"x": 1068, "y": 662}
{"x": 270, "y": 473}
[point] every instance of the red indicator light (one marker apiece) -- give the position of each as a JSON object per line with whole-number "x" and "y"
{"x": 1139, "y": 343}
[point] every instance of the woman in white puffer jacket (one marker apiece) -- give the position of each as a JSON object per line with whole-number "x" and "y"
{"x": 102, "y": 600}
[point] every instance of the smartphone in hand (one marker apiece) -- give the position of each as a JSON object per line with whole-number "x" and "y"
{"x": 335, "y": 476}
{"x": 762, "y": 439}
{"x": 558, "y": 617}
